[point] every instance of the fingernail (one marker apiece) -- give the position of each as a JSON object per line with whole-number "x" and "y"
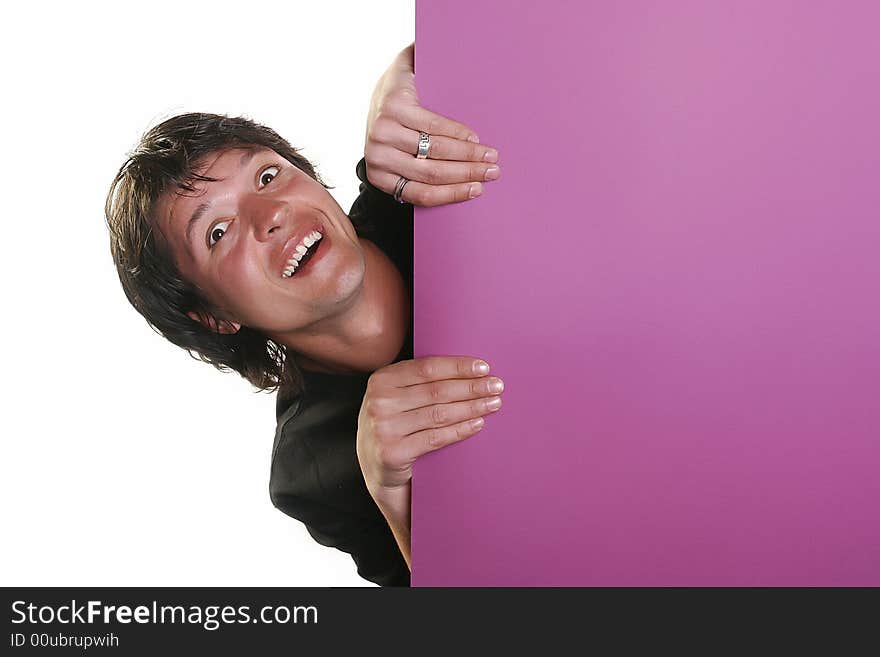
{"x": 475, "y": 190}
{"x": 493, "y": 173}
{"x": 477, "y": 423}
{"x": 474, "y": 139}
{"x": 491, "y": 156}
{"x": 493, "y": 404}
{"x": 481, "y": 367}
{"x": 496, "y": 386}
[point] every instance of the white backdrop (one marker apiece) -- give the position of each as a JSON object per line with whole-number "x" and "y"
{"x": 126, "y": 462}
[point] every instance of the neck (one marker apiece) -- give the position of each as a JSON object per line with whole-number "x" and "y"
{"x": 367, "y": 335}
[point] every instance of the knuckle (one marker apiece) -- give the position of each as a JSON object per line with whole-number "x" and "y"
{"x": 369, "y": 408}
{"x": 380, "y": 428}
{"x": 417, "y": 195}
{"x": 375, "y": 381}
{"x": 385, "y": 113}
{"x": 434, "y": 125}
{"x": 475, "y": 388}
{"x": 427, "y": 369}
{"x": 439, "y": 415}
{"x": 409, "y": 96}
{"x": 377, "y": 155}
{"x": 383, "y": 130}
{"x": 434, "y": 438}
{"x": 431, "y": 197}
{"x": 379, "y": 406}
{"x": 387, "y": 455}
{"x": 432, "y": 174}
{"x": 399, "y": 97}
{"x": 371, "y": 148}
{"x": 435, "y": 390}
{"x": 370, "y": 152}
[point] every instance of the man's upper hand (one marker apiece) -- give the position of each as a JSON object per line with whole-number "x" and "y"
{"x": 457, "y": 164}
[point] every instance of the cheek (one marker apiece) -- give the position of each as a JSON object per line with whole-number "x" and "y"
{"x": 240, "y": 281}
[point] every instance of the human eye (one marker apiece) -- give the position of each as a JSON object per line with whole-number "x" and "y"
{"x": 270, "y": 173}
{"x": 216, "y": 232}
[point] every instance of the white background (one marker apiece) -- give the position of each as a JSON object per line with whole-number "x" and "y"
{"x": 125, "y": 461}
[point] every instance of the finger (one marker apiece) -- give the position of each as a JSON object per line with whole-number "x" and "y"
{"x": 429, "y": 440}
{"x": 429, "y": 196}
{"x": 446, "y": 391}
{"x": 429, "y": 368}
{"x": 425, "y": 195}
{"x": 420, "y": 119}
{"x": 431, "y": 171}
{"x": 441, "y": 148}
{"x": 441, "y": 415}
{"x": 442, "y": 172}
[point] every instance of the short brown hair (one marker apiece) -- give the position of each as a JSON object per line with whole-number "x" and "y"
{"x": 164, "y": 160}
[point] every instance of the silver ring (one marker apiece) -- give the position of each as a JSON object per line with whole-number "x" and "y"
{"x": 398, "y": 189}
{"x": 424, "y": 145}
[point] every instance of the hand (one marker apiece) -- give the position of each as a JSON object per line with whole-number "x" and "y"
{"x": 413, "y": 407}
{"x": 456, "y": 165}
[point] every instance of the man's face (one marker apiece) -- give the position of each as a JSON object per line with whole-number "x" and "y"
{"x": 235, "y": 239}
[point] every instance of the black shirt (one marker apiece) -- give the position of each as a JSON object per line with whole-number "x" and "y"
{"x": 315, "y": 475}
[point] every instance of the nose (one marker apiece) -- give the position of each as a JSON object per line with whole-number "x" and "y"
{"x": 267, "y": 215}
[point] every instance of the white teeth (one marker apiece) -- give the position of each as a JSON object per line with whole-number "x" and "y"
{"x": 301, "y": 250}
{"x": 311, "y": 238}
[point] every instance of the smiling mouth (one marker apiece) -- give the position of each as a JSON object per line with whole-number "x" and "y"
{"x": 303, "y": 253}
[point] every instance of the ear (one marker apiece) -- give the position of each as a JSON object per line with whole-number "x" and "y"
{"x": 211, "y": 323}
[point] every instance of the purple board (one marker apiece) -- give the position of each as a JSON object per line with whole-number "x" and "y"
{"x": 677, "y": 277}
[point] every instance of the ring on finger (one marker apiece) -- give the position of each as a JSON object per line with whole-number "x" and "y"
{"x": 424, "y": 146}
{"x": 398, "y": 189}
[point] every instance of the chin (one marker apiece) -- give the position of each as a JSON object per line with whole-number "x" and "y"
{"x": 348, "y": 280}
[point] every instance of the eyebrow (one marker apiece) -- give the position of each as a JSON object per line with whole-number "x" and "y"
{"x": 204, "y": 207}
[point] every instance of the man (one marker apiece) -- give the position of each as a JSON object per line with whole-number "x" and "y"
{"x": 228, "y": 243}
